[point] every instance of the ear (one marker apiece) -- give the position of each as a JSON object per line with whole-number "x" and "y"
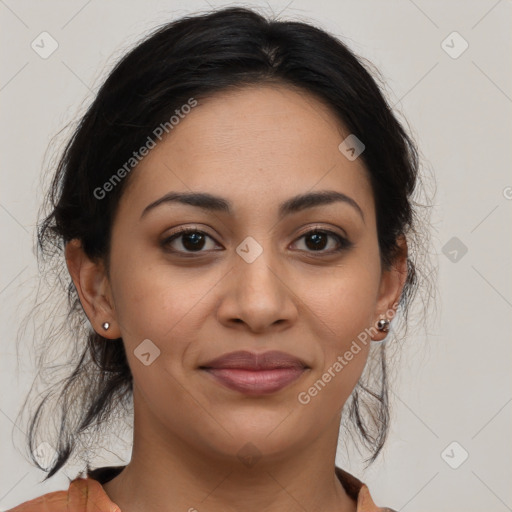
{"x": 93, "y": 288}
{"x": 391, "y": 286}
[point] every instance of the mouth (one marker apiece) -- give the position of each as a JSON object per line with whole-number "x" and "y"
{"x": 255, "y": 374}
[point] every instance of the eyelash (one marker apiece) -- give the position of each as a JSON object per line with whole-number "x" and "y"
{"x": 343, "y": 243}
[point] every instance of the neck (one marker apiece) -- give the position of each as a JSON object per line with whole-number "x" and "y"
{"x": 167, "y": 474}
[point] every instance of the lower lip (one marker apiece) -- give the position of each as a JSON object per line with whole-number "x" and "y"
{"x": 259, "y": 382}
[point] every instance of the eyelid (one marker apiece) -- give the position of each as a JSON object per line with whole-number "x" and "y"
{"x": 322, "y": 227}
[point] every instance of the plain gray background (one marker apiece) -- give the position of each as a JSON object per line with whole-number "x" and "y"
{"x": 454, "y": 384}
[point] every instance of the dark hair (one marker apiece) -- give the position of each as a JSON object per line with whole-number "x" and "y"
{"x": 197, "y": 56}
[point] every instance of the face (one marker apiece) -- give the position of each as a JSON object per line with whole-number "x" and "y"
{"x": 255, "y": 273}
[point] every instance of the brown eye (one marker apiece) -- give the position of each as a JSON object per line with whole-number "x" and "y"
{"x": 324, "y": 241}
{"x": 188, "y": 240}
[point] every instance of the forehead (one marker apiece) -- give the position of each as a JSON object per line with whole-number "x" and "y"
{"x": 265, "y": 143}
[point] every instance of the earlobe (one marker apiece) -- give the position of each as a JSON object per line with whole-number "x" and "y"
{"x": 93, "y": 288}
{"x": 391, "y": 286}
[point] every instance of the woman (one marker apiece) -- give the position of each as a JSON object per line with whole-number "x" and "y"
{"x": 235, "y": 211}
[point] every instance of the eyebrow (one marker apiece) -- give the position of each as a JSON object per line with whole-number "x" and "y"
{"x": 215, "y": 203}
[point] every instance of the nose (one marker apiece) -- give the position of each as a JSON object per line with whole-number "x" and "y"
{"x": 258, "y": 296}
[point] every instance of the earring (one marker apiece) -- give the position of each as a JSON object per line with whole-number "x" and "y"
{"x": 383, "y": 325}
{"x": 105, "y": 326}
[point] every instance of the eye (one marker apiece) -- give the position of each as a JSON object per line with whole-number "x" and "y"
{"x": 316, "y": 240}
{"x": 192, "y": 240}
{"x": 187, "y": 240}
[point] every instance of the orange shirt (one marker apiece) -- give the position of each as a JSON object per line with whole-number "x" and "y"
{"x": 88, "y": 495}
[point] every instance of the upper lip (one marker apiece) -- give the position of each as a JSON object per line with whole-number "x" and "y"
{"x": 246, "y": 360}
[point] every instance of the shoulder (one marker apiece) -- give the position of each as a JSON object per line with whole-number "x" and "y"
{"x": 359, "y": 492}
{"x": 365, "y": 502}
{"x": 83, "y": 495}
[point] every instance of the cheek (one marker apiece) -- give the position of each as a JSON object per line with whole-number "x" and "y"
{"x": 342, "y": 299}
{"x": 153, "y": 302}
{"x": 143, "y": 291}
{"x": 341, "y": 307}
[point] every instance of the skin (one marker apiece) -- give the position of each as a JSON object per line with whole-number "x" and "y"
{"x": 255, "y": 147}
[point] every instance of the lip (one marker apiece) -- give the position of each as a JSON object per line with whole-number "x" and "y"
{"x": 255, "y": 374}
{"x": 245, "y": 360}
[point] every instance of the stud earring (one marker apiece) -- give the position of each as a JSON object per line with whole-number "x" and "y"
{"x": 383, "y": 325}
{"x": 105, "y": 326}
